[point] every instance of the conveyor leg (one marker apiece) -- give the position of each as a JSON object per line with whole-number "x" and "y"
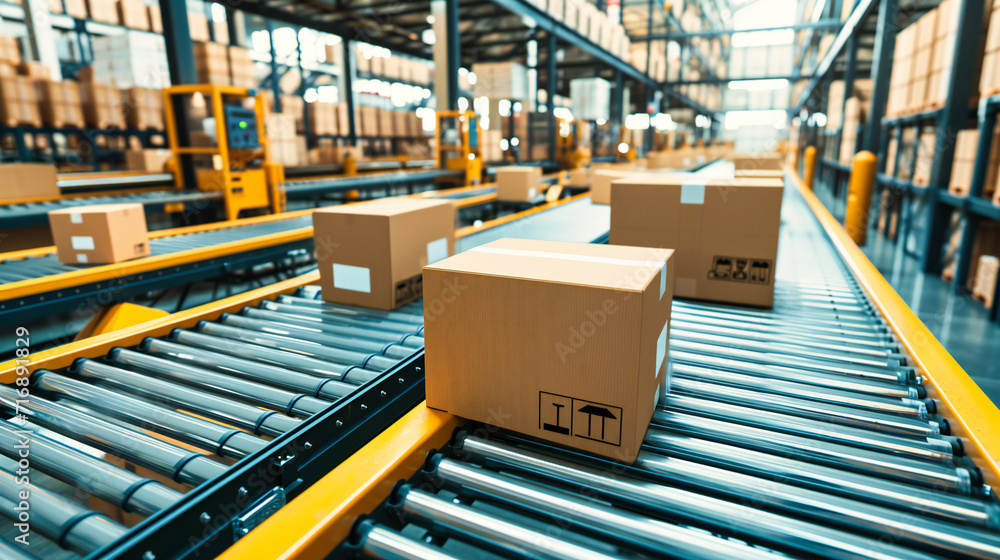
{"x": 859, "y": 196}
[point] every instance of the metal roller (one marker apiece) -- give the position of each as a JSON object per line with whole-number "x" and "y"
{"x": 465, "y": 523}
{"x": 380, "y": 543}
{"x": 319, "y": 387}
{"x": 409, "y": 340}
{"x": 389, "y": 350}
{"x": 846, "y": 325}
{"x": 924, "y": 473}
{"x": 346, "y": 319}
{"x": 243, "y": 416}
{"x": 212, "y": 437}
{"x": 164, "y": 458}
{"x": 740, "y": 521}
{"x": 841, "y": 348}
{"x": 15, "y": 552}
{"x": 280, "y": 358}
{"x": 798, "y": 334}
{"x": 336, "y": 308}
{"x": 113, "y": 484}
{"x": 957, "y": 509}
{"x": 900, "y": 406}
{"x": 306, "y": 348}
{"x": 63, "y": 521}
{"x": 890, "y": 388}
{"x": 293, "y": 404}
{"x": 929, "y": 449}
{"x": 903, "y": 376}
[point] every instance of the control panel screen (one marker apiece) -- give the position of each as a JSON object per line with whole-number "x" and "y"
{"x": 241, "y": 128}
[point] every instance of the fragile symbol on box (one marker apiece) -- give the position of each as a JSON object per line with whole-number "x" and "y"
{"x": 584, "y": 419}
{"x": 739, "y": 269}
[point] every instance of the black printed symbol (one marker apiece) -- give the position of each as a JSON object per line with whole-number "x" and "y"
{"x": 551, "y": 413}
{"x": 721, "y": 269}
{"x": 732, "y": 269}
{"x": 599, "y": 411}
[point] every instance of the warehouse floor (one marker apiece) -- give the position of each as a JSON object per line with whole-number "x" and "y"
{"x": 958, "y": 321}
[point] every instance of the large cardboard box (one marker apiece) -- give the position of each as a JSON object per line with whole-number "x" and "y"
{"x": 18, "y": 101}
{"x": 152, "y": 160}
{"x": 241, "y": 68}
{"x": 28, "y": 180}
{"x": 517, "y": 183}
{"x": 565, "y": 342}
{"x": 60, "y": 104}
{"x": 371, "y": 254}
{"x": 134, "y": 14}
{"x": 758, "y": 161}
{"x": 143, "y": 108}
{"x": 211, "y": 61}
{"x": 724, "y": 231}
{"x": 102, "y": 105}
{"x": 100, "y": 234}
{"x": 9, "y": 54}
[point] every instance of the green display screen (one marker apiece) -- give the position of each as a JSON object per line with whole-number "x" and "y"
{"x": 243, "y": 124}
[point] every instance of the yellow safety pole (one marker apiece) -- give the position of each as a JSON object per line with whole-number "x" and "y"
{"x": 859, "y": 196}
{"x": 809, "y": 167}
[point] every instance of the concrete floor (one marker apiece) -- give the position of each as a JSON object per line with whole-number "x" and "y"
{"x": 961, "y": 323}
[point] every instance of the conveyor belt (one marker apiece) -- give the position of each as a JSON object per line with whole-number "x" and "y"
{"x": 85, "y": 181}
{"x": 36, "y": 213}
{"x": 41, "y": 285}
{"x": 222, "y": 388}
{"x": 800, "y": 431}
{"x": 312, "y": 187}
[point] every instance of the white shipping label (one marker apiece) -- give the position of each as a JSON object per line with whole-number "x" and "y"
{"x": 437, "y": 250}
{"x": 663, "y": 280}
{"x": 661, "y": 348}
{"x": 353, "y": 278}
{"x": 75, "y": 218}
{"x": 693, "y": 193}
{"x": 82, "y": 243}
{"x": 81, "y": 258}
{"x": 532, "y": 192}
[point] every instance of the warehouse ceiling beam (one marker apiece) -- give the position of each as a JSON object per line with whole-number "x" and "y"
{"x": 822, "y": 24}
{"x": 851, "y": 26}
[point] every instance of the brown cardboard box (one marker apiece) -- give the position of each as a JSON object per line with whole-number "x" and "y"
{"x": 574, "y": 331}
{"x": 104, "y": 11}
{"x": 985, "y": 283}
{"x": 211, "y": 61}
{"x": 18, "y": 101}
{"x": 371, "y": 254}
{"x": 241, "y": 68}
{"x": 155, "y": 20}
{"x": 143, "y": 108}
{"x": 34, "y": 70}
{"x": 8, "y": 50}
{"x": 147, "y": 160}
{"x": 102, "y": 105}
{"x": 28, "y": 180}
{"x": 59, "y": 103}
{"x": 758, "y": 161}
{"x": 725, "y": 231}
{"x": 600, "y": 186}
{"x": 100, "y": 234}
{"x": 518, "y": 183}
{"x": 133, "y": 13}
{"x": 76, "y": 8}
{"x": 198, "y": 27}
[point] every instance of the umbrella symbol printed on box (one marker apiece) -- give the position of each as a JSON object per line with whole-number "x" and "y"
{"x": 599, "y": 411}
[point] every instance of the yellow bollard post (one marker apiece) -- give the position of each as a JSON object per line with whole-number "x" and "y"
{"x": 809, "y": 167}
{"x": 859, "y": 196}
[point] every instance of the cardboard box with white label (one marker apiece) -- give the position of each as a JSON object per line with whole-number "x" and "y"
{"x": 371, "y": 254}
{"x": 518, "y": 183}
{"x": 724, "y": 231}
{"x": 101, "y": 234}
{"x": 565, "y": 342}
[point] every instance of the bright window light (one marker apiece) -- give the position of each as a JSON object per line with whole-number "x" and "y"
{"x": 427, "y": 36}
{"x": 563, "y": 113}
{"x": 503, "y": 107}
{"x": 637, "y": 121}
{"x": 430, "y": 19}
{"x": 701, "y": 121}
{"x": 504, "y": 144}
{"x": 218, "y": 13}
{"x": 623, "y": 148}
{"x": 819, "y": 119}
{"x": 764, "y": 14}
{"x": 662, "y": 121}
{"x": 514, "y": 141}
{"x": 471, "y": 77}
{"x": 758, "y": 85}
{"x": 328, "y": 94}
{"x": 463, "y": 104}
{"x": 311, "y": 95}
{"x": 778, "y": 118}
{"x": 601, "y": 122}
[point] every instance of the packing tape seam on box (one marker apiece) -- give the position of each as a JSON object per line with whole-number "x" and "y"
{"x": 583, "y": 258}
{"x": 353, "y": 278}
{"x": 661, "y": 348}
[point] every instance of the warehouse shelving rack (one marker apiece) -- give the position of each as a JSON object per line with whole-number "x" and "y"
{"x": 924, "y": 212}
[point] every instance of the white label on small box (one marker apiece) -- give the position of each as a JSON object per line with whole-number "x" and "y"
{"x": 663, "y": 280}
{"x": 353, "y": 278}
{"x": 81, "y": 258}
{"x": 693, "y": 193}
{"x": 82, "y": 243}
{"x": 437, "y": 250}
{"x": 532, "y": 192}
{"x": 661, "y": 348}
{"x": 75, "y": 218}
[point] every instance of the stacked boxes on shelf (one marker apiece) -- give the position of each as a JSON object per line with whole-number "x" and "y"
{"x": 132, "y": 59}
{"x": 102, "y": 105}
{"x": 60, "y": 104}
{"x": 241, "y": 68}
{"x": 408, "y": 70}
{"x": 133, "y": 14}
{"x": 854, "y": 115}
{"x": 143, "y": 108}
{"x": 925, "y": 156}
{"x": 283, "y": 144}
{"x": 18, "y": 100}
{"x": 211, "y": 62}
{"x": 104, "y": 11}
{"x": 322, "y": 119}
{"x": 966, "y": 145}
{"x": 989, "y": 81}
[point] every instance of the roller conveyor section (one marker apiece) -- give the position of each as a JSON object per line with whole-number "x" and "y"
{"x": 754, "y": 455}
{"x": 187, "y": 405}
{"x": 309, "y": 188}
{"x": 36, "y": 213}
